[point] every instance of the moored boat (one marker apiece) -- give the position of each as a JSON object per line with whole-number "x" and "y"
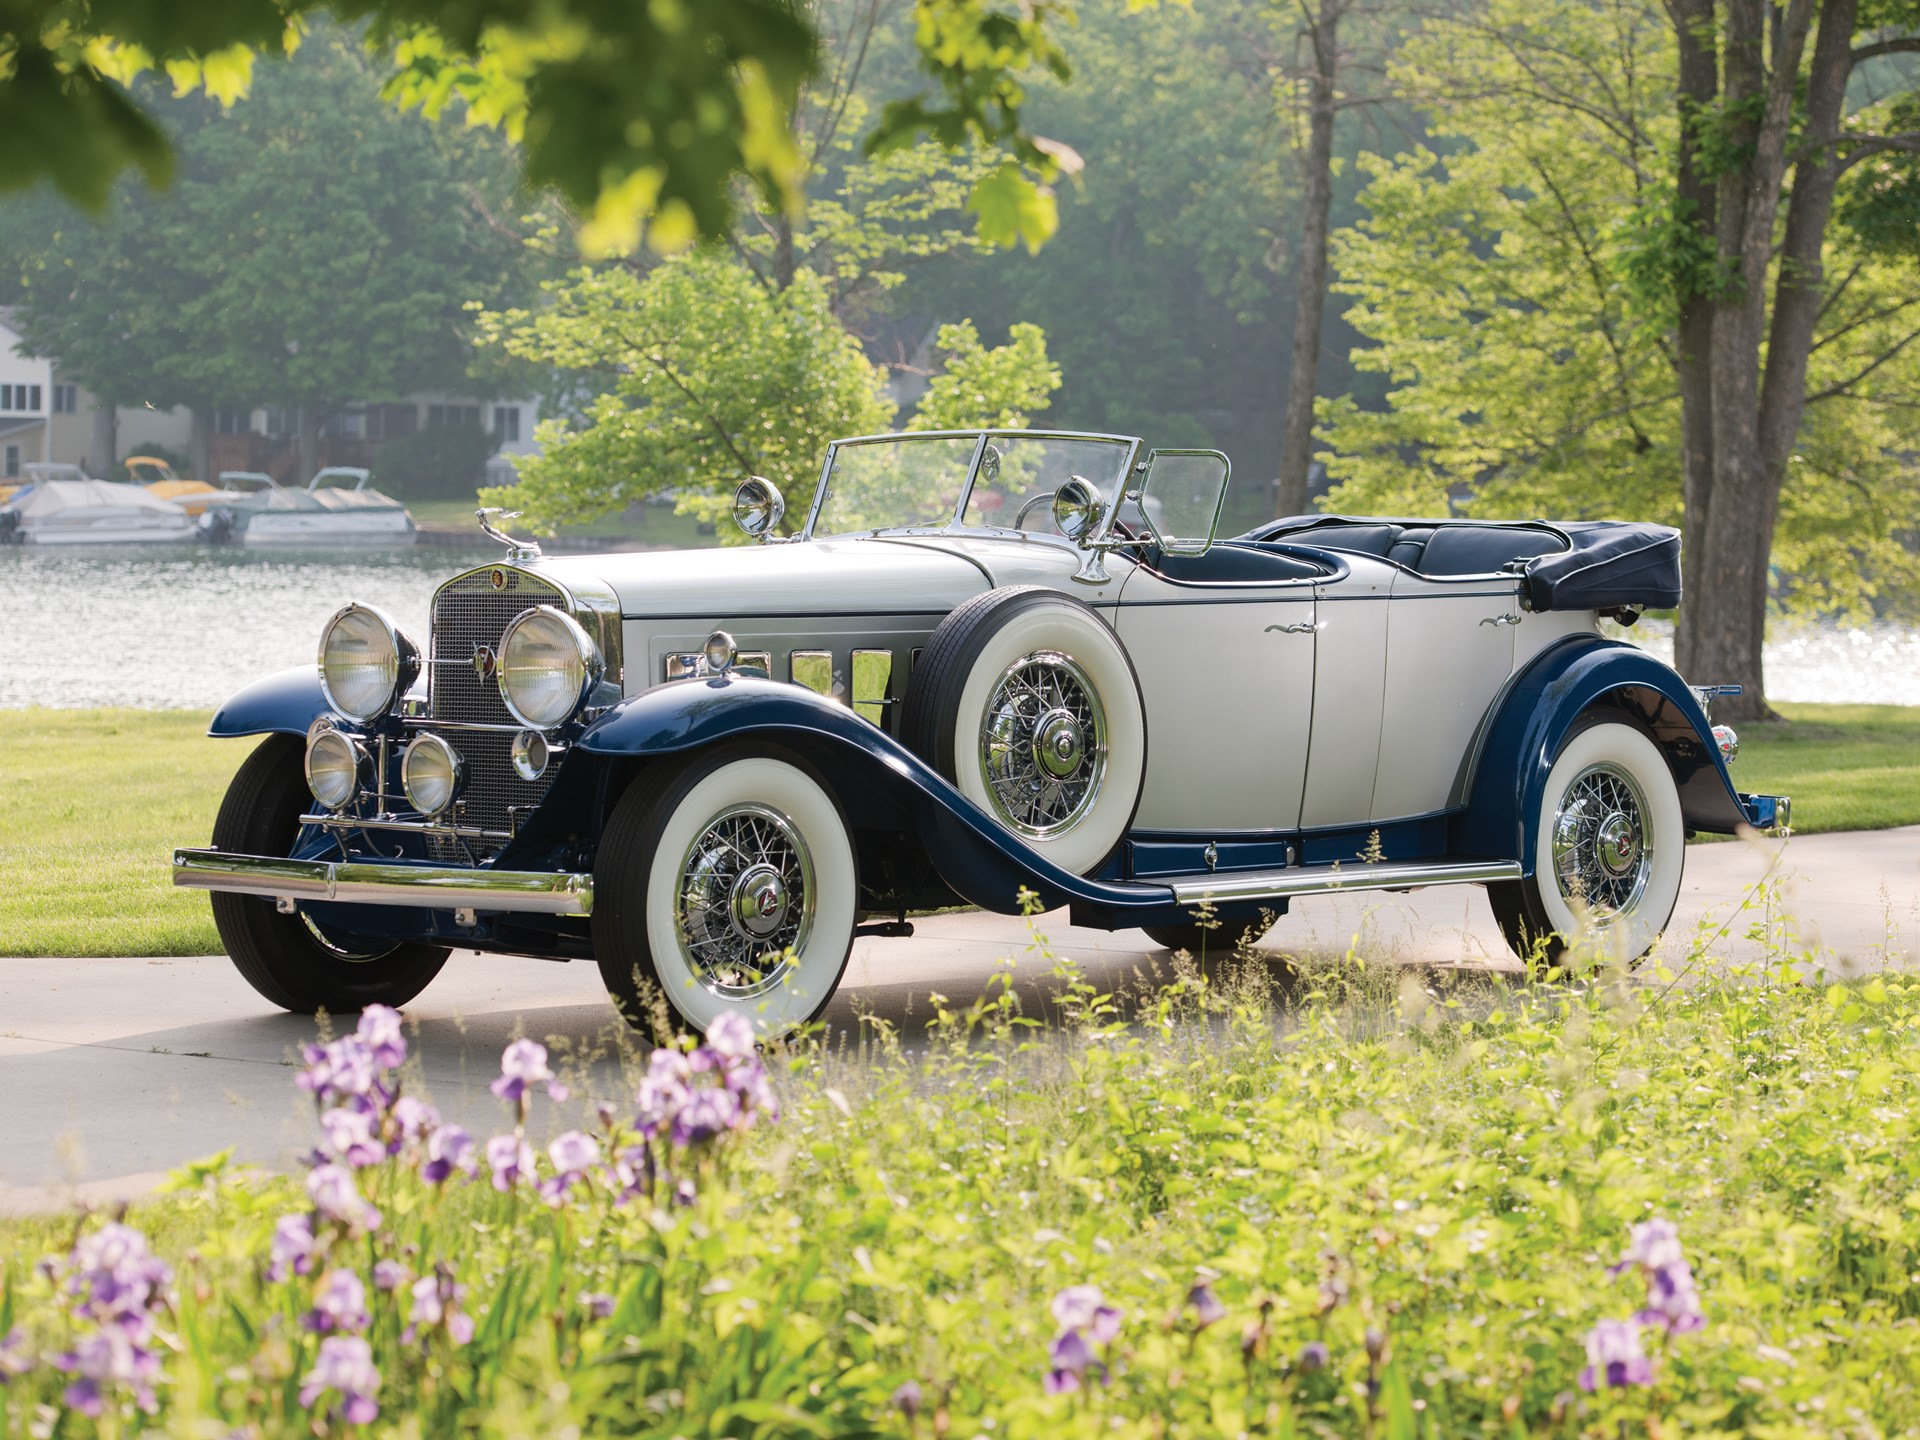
{"x": 337, "y": 507}
{"x": 67, "y": 511}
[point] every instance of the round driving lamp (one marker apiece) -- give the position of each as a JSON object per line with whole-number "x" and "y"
{"x": 1076, "y": 508}
{"x": 366, "y": 663}
{"x": 758, "y": 506}
{"x": 430, "y": 774}
{"x": 722, "y": 653}
{"x": 333, "y": 765}
{"x": 547, "y": 667}
{"x": 530, "y": 754}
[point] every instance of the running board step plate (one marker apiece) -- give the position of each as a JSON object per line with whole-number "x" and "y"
{"x": 1322, "y": 879}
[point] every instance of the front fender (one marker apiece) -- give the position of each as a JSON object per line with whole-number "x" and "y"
{"x": 1540, "y": 707}
{"x": 881, "y": 780}
{"x": 284, "y": 703}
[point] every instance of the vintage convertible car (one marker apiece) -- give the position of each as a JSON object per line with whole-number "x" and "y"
{"x": 987, "y": 662}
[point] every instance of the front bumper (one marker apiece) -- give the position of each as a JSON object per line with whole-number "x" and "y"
{"x": 354, "y": 882}
{"x": 1772, "y": 813}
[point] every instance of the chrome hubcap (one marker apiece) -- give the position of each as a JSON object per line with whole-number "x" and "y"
{"x": 746, "y": 900}
{"x": 1602, "y": 854}
{"x": 1043, "y": 749}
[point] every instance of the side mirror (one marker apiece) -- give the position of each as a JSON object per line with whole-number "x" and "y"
{"x": 758, "y": 507}
{"x": 1076, "y": 508}
{"x": 1181, "y": 498}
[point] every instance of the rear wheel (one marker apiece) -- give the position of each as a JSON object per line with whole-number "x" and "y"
{"x": 291, "y": 960}
{"x": 1610, "y": 849}
{"x": 729, "y": 884}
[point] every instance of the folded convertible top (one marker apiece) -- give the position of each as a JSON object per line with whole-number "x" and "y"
{"x": 1611, "y": 563}
{"x": 1571, "y": 565}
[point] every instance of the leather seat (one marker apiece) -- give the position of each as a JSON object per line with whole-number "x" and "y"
{"x": 1229, "y": 562}
{"x": 1441, "y": 550}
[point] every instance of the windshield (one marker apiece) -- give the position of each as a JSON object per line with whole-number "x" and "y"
{"x": 916, "y": 481}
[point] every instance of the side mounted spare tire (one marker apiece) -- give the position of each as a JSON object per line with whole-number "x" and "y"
{"x": 1027, "y": 701}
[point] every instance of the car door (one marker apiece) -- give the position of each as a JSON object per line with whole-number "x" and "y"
{"x": 1449, "y": 652}
{"x": 1227, "y": 669}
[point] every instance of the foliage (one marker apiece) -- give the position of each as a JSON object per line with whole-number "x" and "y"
{"x": 997, "y": 388}
{"x": 706, "y": 375}
{"x": 640, "y": 115}
{"x": 448, "y": 464}
{"x": 1514, "y": 282}
{"x": 349, "y": 241}
{"x": 1390, "y": 1205}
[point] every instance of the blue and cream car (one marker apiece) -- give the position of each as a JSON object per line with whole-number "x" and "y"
{"x": 980, "y": 663}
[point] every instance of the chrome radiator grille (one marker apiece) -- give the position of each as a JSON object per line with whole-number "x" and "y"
{"x": 469, "y": 614}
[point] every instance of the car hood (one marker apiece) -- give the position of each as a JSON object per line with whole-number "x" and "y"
{"x": 815, "y": 578}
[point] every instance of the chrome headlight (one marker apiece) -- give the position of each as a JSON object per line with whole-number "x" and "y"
{"x": 548, "y": 664}
{"x": 334, "y": 762}
{"x": 366, "y": 663}
{"x": 430, "y": 774}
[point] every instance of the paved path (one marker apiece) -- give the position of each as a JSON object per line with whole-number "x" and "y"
{"x": 113, "y": 1071}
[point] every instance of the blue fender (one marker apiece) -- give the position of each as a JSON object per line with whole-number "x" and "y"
{"x": 1566, "y": 680}
{"x": 984, "y": 863}
{"x": 284, "y": 703}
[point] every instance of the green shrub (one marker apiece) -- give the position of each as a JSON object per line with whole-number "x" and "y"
{"x": 1344, "y": 1201}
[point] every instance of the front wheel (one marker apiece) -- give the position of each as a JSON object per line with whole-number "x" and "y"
{"x": 290, "y": 959}
{"x": 1610, "y": 848}
{"x": 729, "y": 884}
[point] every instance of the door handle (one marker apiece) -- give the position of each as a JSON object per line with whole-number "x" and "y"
{"x": 1507, "y": 619}
{"x": 1305, "y": 627}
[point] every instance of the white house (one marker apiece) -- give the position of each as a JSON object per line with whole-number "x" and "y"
{"x": 26, "y": 403}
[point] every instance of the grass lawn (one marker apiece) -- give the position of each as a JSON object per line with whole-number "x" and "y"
{"x": 1353, "y": 1202}
{"x": 92, "y": 803}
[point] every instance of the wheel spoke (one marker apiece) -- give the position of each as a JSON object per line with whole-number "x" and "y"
{"x": 1043, "y": 747}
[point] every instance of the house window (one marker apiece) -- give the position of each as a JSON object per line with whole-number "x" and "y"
{"x": 231, "y": 422}
{"x": 453, "y": 417}
{"x": 13, "y": 461}
{"x": 506, "y": 424}
{"x": 66, "y": 399}
{"x": 15, "y": 398}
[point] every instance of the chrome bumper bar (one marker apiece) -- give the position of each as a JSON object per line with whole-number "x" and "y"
{"x": 353, "y": 882}
{"x": 1323, "y": 879}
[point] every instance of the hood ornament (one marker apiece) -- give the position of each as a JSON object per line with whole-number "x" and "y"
{"x": 519, "y": 552}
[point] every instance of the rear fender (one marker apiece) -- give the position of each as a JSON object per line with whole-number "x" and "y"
{"x": 879, "y": 782}
{"x": 1563, "y": 683}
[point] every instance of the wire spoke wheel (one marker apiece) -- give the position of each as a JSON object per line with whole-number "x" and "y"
{"x": 1602, "y": 847}
{"x": 1043, "y": 748}
{"x": 746, "y": 900}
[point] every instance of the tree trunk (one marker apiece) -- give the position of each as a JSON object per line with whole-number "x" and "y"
{"x": 103, "y": 446}
{"x": 1310, "y": 297}
{"x": 307, "y": 443}
{"x": 783, "y": 258}
{"x": 200, "y": 443}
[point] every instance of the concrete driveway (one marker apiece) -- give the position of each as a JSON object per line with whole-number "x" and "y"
{"x": 114, "y": 1071}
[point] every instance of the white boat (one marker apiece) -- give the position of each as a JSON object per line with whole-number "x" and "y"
{"x": 63, "y": 507}
{"x": 337, "y": 507}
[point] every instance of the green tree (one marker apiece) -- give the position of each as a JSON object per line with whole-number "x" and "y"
{"x": 317, "y": 248}
{"x": 1564, "y": 327}
{"x": 711, "y": 375}
{"x": 641, "y": 115}
{"x": 1000, "y": 388}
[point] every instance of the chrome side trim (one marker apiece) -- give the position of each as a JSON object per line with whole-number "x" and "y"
{"x": 1320, "y": 879}
{"x": 384, "y": 821}
{"x": 349, "y": 882}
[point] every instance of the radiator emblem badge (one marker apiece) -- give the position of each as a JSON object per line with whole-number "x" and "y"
{"x": 484, "y": 663}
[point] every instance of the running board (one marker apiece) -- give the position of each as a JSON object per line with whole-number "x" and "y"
{"x": 1322, "y": 879}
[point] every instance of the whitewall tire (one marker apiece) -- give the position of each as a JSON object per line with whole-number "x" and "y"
{"x": 1609, "y": 853}
{"x": 1027, "y": 701}
{"x": 728, "y": 882}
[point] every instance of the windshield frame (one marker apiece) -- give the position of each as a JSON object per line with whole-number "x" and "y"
{"x": 954, "y": 523}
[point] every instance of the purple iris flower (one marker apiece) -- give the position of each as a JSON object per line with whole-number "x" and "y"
{"x": 1614, "y": 1356}
{"x": 1313, "y": 1355}
{"x": 436, "y": 1306}
{"x": 573, "y": 1154}
{"x": 449, "y": 1149}
{"x": 339, "y": 1304}
{"x": 14, "y": 1357}
{"x": 113, "y": 1276}
{"x": 731, "y": 1037}
{"x": 1205, "y": 1305}
{"x": 906, "y": 1399}
{"x": 416, "y": 1118}
{"x": 353, "y": 1135}
{"x": 292, "y": 1248}
{"x": 707, "y": 1112}
{"x": 1083, "y": 1307}
{"x": 379, "y": 1030}
{"x": 389, "y": 1276}
{"x": 1672, "y": 1299}
{"x": 345, "y": 1368}
{"x": 523, "y": 1067}
{"x": 600, "y": 1307}
{"x": 1652, "y": 1244}
{"x": 512, "y": 1161}
{"x": 662, "y": 1092}
{"x": 340, "y": 1071}
{"x": 335, "y": 1197}
{"x": 110, "y": 1356}
{"x": 1069, "y": 1358}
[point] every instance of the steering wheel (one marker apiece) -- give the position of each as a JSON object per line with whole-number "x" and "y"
{"x": 1020, "y": 517}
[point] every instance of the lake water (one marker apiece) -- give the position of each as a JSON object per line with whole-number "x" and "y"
{"x": 184, "y": 627}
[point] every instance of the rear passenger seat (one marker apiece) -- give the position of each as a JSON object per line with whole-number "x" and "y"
{"x": 1440, "y": 550}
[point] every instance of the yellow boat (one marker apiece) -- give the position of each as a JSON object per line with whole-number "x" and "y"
{"x": 192, "y": 496}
